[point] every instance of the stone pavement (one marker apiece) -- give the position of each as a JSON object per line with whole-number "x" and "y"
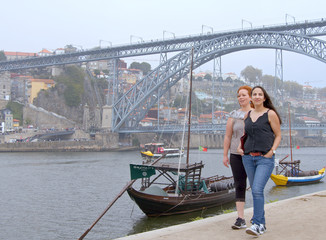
{"x": 302, "y": 217}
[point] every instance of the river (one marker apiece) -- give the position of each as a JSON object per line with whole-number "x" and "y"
{"x": 59, "y": 195}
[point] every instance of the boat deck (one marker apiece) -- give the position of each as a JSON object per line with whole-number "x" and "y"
{"x": 166, "y": 166}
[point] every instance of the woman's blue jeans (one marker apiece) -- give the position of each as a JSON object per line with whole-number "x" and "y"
{"x": 258, "y": 169}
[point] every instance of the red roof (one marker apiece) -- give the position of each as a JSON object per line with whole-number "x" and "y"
{"x": 25, "y": 54}
{"x": 206, "y": 115}
{"x": 45, "y": 51}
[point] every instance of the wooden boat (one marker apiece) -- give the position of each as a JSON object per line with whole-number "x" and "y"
{"x": 295, "y": 176}
{"x": 289, "y": 173}
{"x": 194, "y": 193}
{"x": 183, "y": 189}
{"x": 156, "y": 150}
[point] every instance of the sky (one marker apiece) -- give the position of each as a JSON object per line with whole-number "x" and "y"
{"x": 32, "y": 25}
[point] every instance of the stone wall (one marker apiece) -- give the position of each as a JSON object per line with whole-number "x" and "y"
{"x": 44, "y": 119}
{"x": 3, "y": 103}
{"x": 102, "y": 142}
{"x": 175, "y": 139}
{"x": 217, "y": 140}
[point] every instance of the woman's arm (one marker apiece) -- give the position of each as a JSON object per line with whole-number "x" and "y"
{"x": 227, "y": 141}
{"x": 239, "y": 149}
{"x": 276, "y": 127}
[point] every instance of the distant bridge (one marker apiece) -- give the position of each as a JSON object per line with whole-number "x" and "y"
{"x": 131, "y": 108}
{"x": 312, "y": 28}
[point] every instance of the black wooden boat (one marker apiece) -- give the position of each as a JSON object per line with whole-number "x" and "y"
{"x": 194, "y": 193}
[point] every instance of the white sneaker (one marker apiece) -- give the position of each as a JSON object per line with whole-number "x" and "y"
{"x": 256, "y": 229}
{"x": 262, "y": 228}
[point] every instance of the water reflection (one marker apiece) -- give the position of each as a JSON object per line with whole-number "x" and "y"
{"x": 145, "y": 223}
{"x": 283, "y": 192}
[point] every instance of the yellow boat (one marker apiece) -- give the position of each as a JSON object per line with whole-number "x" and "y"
{"x": 300, "y": 179}
{"x": 290, "y": 173}
{"x": 156, "y": 150}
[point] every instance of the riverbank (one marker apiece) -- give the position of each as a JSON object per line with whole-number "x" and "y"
{"x": 295, "y": 218}
{"x": 82, "y": 142}
{"x": 63, "y": 146}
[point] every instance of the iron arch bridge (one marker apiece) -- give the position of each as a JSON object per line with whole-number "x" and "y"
{"x": 307, "y": 28}
{"x": 131, "y": 108}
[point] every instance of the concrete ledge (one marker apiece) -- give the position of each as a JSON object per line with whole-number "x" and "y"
{"x": 296, "y": 218}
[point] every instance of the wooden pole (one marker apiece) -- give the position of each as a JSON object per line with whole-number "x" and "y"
{"x": 116, "y": 198}
{"x": 190, "y": 93}
{"x": 290, "y": 133}
{"x": 189, "y": 120}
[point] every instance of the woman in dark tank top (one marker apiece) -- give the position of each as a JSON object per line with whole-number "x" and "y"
{"x": 260, "y": 135}
{"x": 263, "y": 129}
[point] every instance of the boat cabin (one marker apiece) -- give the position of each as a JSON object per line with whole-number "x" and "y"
{"x": 153, "y": 147}
{"x": 189, "y": 180}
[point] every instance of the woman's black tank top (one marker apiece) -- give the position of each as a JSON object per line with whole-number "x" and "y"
{"x": 260, "y": 134}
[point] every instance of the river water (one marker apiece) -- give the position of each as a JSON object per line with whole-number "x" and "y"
{"x": 60, "y": 195}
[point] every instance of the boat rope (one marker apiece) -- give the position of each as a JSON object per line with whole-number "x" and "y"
{"x": 174, "y": 206}
{"x": 198, "y": 197}
{"x": 132, "y": 210}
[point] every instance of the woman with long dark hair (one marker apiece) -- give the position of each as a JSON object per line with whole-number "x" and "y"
{"x": 263, "y": 129}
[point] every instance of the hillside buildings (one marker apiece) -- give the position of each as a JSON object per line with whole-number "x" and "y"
{"x": 25, "y": 88}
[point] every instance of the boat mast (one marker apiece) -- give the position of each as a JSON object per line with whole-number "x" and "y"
{"x": 190, "y": 92}
{"x": 290, "y": 133}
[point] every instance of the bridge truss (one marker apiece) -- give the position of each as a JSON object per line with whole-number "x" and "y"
{"x": 307, "y": 28}
{"x": 133, "y": 105}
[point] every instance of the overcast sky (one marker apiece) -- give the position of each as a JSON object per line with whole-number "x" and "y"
{"x": 31, "y": 25}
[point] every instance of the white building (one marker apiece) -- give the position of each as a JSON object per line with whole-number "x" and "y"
{"x": 5, "y": 86}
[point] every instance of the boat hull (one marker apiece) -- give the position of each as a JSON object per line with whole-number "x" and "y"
{"x": 157, "y": 155}
{"x": 281, "y": 180}
{"x": 154, "y": 206}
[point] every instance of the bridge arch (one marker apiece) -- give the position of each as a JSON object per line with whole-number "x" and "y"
{"x": 134, "y": 104}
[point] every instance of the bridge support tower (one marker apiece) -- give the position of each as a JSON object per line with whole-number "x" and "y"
{"x": 107, "y": 117}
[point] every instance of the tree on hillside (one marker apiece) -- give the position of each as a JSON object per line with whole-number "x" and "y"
{"x": 97, "y": 72}
{"x": 197, "y": 106}
{"x": 2, "y": 56}
{"x": 252, "y": 75}
{"x": 208, "y": 77}
{"x": 322, "y": 92}
{"x": 73, "y": 79}
{"x": 145, "y": 67}
{"x": 16, "y": 109}
{"x": 268, "y": 81}
{"x": 70, "y": 48}
{"x": 293, "y": 89}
